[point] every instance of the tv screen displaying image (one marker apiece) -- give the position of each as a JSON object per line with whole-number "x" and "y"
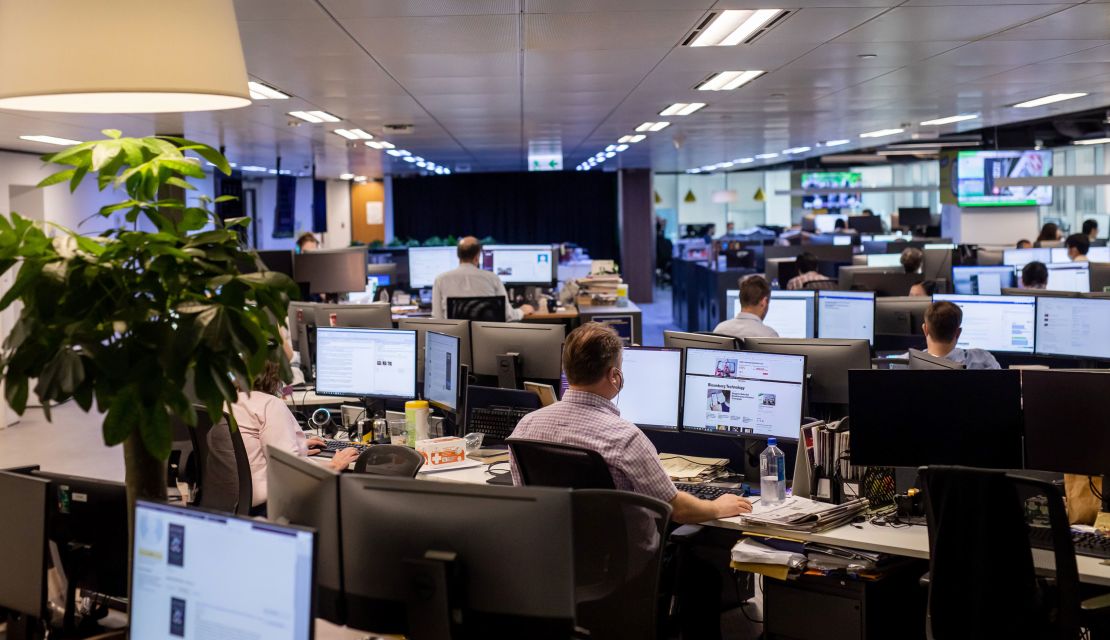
{"x": 846, "y": 180}
{"x": 977, "y": 171}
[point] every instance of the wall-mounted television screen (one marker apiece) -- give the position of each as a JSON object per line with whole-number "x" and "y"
{"x": 846, "y": 180}
{"x": 976, "y": 172}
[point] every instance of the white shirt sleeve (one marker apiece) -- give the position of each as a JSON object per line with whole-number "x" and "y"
{"x": 511, "y": 314}
{"x": 439, "y": 299}
{"x": 280, "y": 429}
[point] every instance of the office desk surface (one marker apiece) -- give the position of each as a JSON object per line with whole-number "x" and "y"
{"x": 566, "y": 313}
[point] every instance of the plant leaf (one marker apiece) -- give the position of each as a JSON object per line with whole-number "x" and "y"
{"x": 104, "y": 153}
{"x": 123, "y": 416}
{"x": 53, "y": 179}
{"x": 112, "y": 133}
{"x": 156, "y": 432}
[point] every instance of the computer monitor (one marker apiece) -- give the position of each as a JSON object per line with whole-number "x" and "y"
{"x": 1022, "y": 257}
{"x": 1094, "y": 254}
{"x": 923, "y": 360}
{"x": 302, "y": 492}
{"x": 682, "y": 339}
{"x": 904, "y": 418}
{"x": 846, "y": 275}
{"x": 196, "y": 573}
{"x": 792, "y": 313}
{"x": 442, "y": 370}
{"x": 366, "y": 363}
{"x": 915, "y": 216}
{"x": 23, "y": 543}
{"x": 889, "y": 283}
{"x": 1100, "y": 276}
{"x": 995, "y": 323}
{"x": 651, "y": 393}
{"x": 377, "y": 315}
{"x": 741, "y": 393}
{"x": 846, "y": 314}
{"x": 827, "y": 362}
{"x": 884, "y": 260}
{"x": 279, "y": 260}
{"x": 1062, "y": 432}
{"x": 826, "y": 222}
{"x": 458, "y": 328}
{"x": 866, "y": 224}
{"x": 520, "y": 264}
{"x": 1069, "y": 276}
{"x": 976, "y": 280}
{"x": 841, "y": 240}
{"x": 1039, "y": 293}
{"x": 503, "y": 578}
{"x": 425, "y": 263}
{"x": 300, "y": 313}
{"x": 381, "y": 276}
{"x": 1073, "y": 327}
{"x": 332, "y": 270}
{"x": 539, "y": 345}
{"x": 900, "y": 315}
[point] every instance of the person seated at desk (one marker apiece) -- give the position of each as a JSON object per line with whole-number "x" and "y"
{"x": 1050, "y": 233}
{"x": 586, "y": 417}
{"x": 806, "y": 263}
{"x": 307, "y": 242}
{"x": 468, "y": 280}
{"x": 942, "y": 332}
{"x": 263, "y": 420}
{"x": 1078, "y": 245}
{"x": 755, "y": 299}
{"x": 924, "y": 288}
{"x": 912, "y": 259}
{"x": 1090, "y": 229}
{"x": 1034, "y": 275}
{"x": 1024, "y": 244}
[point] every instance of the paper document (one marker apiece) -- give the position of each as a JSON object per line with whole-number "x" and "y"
{"x": 801, "y": 514}
{"x": 693, "y": 469}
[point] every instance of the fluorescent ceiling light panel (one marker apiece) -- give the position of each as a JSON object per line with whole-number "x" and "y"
{"x": 611, "y": 147}
{"x": 766, "y": 156}
{"x": 1040, "y": 102}
{"x": 306, "y": 116}
{"x": 362, "y": 135}
{"x": 795, "y": 150}
{"x": 360, "y": 178}
{"x": 261, "y": 91}
{"x": 729, "y": 80}
{"x": 949, "y": 120}
{"x": 723, "y": 165}
{"x": 1091, "y": 141}
{"x": 836, "y": 143}
{"x": 733, "y": 27}
{"x": 682, "y": 108}
{"x": 744, "y": 160}
{"x": 622, "y": 147}
{"x": 324, "y": 116}
{"x": 387, "y": 145}
{"x": 374, "y": 145}
{"x": 409, "y": 159}
{"x": 61, "y": 142}
{"x": 346, "y": 176}
{"x": 881, "y": 133}
{"x": 350, "y": 135}
{"x": 659, "y": 126}
{"x": 395, "y": 153}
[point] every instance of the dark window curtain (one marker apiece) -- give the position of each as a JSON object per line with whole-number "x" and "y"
{"x": 513, "y": 208}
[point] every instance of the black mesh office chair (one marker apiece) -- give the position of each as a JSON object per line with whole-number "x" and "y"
{"x": 545, "y": 464}
{"x": 223, "y": 469}
{"x": 984, "y": 578}
{"x": 821, "y": 285}
{"x": 389, "y": 460}
{"x": 484, "y": 309}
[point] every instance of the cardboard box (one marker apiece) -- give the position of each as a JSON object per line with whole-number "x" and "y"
{"x": 441, "y": 451}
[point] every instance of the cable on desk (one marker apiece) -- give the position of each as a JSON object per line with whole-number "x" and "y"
{"x": 498, "y": 474}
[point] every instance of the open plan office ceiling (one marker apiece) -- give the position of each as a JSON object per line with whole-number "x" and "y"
{"x": 480, "y": 81}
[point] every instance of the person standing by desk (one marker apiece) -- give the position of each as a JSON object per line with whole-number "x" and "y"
{"x": 942, "y": 332}
{"x": 468, "y": 280}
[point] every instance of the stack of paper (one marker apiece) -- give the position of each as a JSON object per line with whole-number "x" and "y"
{"x": 824, "y": 557}
{"x": 801, "y": 514}
{"x": 600, "y": 290}
{"x": 754, "y": 557}
{"x": 693, "y": 469}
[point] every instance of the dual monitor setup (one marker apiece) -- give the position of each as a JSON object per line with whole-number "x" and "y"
{"x": 518, "y": 265}
{"x": 817, "y": 314}
{"x": 993, "y": 279}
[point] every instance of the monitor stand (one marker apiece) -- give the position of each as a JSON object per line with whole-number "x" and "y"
{"x": 435, "y": 598}
{"x": 509, "y": 370}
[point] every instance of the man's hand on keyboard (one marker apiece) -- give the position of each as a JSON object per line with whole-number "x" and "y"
{"x": 730, "y": 505}
{"x": 345, "y": 457}
{"x": 315, "y": 445}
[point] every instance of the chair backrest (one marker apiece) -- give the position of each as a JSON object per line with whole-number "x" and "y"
{"x": 484, "y": 309}
{"x": 823, "y": 285}
{"x": 545, "y": 464}
{"x": 223, "y": 469}
{"x": 618, "y": 551}
{"x": 983, "y": 573}
{"x": 389, "y": 460}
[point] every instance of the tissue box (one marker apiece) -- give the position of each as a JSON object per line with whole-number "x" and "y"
{"x": 440, "y": 451}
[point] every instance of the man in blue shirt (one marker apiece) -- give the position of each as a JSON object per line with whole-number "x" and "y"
{"x": 942, "y": 332}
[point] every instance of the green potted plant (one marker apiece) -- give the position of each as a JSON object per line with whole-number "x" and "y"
{"x": 130, "y": 319}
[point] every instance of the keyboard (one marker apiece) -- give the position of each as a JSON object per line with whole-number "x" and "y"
{"x": 709, "y": 491}
{"x": 497, "y": 423}
{"x": 332, "y": 446}
{"x": 1095, "y": 545}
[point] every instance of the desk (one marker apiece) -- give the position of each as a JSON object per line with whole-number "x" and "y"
{"x": 558, "y": 315}
{"x": 613, "y": 314}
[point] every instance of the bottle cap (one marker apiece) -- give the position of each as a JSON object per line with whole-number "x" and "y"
{"x": 416, "y": 404}
{"x": 772, "y": 442}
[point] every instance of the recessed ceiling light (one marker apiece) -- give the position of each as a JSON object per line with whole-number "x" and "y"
{"x": 395, "y": 153}
{"x": 373, "y": 144}
{"x": 611, "y": 147}
{"x": 682, "y": 108}
{"x": 766, "y": 156}
{"x": 653, "y": 126}
{"x": 621, "y": 147}
{"x": 734, "y": 26}
{"x": 62, "y": 142}
{"x": 1056, "y": 97}
{"x": 350, "y": 135}
{"x": 402, "y": 153}
{"x": 744, "y": 160}
{"x": 610, "y": 154}
{"x": 251, "y": 167}
{"x": 723, "y": 165}
{"x": 729, "y": 80}
{"x": 314, "y": 116}
{"x": 360, "y": 178}
{"x": 949, "y": 120}
{"x": 1091, "y": 141}
{"x": 261, "y": 91}
{"x": 408, "y": 159}
{"x": 346, "y": 176}
{"x": 632, "y": 139}
{"x": 836, "y": 143}
{"x": 881, "y": 133}
{"x": 795, "y": 150}
{"x": 708, "y": 167}
{"x": 695, "y": 170}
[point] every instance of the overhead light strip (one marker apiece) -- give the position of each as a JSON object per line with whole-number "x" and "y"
{"x": 732, "y": 27}
{"x": 729, "y": 80}
{"x": 881, "y": 133}
{"x": 950, "y": 120}
{"x": 61, "y": 142}
{"x": 261, "y": 91}
{"x": 1040, "y": 102}
{"x": 682, "y": 108}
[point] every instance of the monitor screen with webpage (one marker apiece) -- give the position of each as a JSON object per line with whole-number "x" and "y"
{"x": 197, "y": 574}
{"x": 520, "y": 263}
{"x": 441, "y": 370}
{"x": 1075, "y": 327}
{"x": 846, "y": 180}
{"x": 1022, "y": 257}
{"x": 1094, "y": 254}
{"x": 995, "y": 323}
{"x": 741, "y": 393}
{"x": 1069, "y": 276}
{"x": 791, "y": 313}
{"x": 977, "y": 173}
{"x": 652, "y": 384}
{"x": 826, "y": 222}
{"x": 366, "y": 363}
{"x": 846, "y": 314}
{"x": 425, "y": 263}
{"x": 884, "y": 260}
{"x": 982, "y": 280}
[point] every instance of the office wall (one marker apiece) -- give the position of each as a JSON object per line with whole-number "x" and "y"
{"x": 516, "y": 208}
{"x": 368, "y": 193}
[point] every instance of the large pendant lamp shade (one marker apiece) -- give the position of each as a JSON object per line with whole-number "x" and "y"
{"x": 120, "y": 56}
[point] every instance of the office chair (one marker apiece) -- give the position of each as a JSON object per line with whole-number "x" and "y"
{"x": 389, "y": 460}
{"x": 546, "y": 464}
{"x": 983, "y": 573}
{"x": 484, "y": 309}
{"x": 821, "y": 285}
{"x": 223, "y": 469}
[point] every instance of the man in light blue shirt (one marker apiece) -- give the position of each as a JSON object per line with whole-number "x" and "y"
{"x": 942, "y": 332}
{"x": 755, "y": 299}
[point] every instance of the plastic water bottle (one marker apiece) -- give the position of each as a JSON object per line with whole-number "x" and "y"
{"x": 772, "y": 474}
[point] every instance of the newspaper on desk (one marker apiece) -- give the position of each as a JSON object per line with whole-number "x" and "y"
{"x": 802, "y": 514}
{"x": 693, "y": 469}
